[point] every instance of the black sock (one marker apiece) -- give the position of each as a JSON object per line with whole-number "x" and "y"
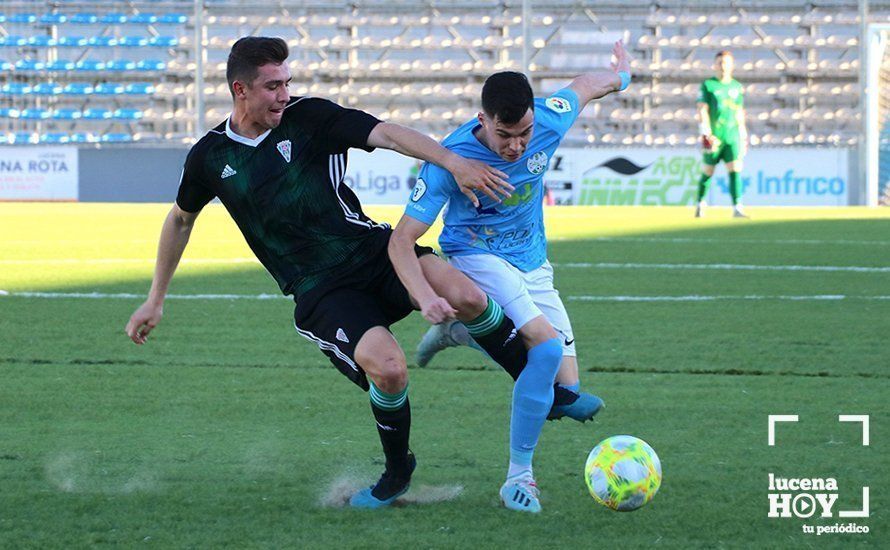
{"x": 394, "y": 427}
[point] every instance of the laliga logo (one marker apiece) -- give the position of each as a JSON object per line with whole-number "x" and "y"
{"x": 805, "y": 497}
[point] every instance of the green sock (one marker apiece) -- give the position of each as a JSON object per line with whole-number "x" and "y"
{"x": 735, "y": 187}
{"x": 704, "y": 183}
{"x": 486, "y": 323}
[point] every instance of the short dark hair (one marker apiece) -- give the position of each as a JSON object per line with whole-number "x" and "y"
{"x": 507, "y": 96}
{"x": 721, "y": 53}
{"x": 249, "y": 54}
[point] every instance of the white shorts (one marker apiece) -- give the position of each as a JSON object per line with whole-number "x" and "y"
{"x": 523, "y": 296}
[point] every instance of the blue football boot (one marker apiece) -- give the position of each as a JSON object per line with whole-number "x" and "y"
{"x": 390, "y": 487}
{"x": 582, "y": 409}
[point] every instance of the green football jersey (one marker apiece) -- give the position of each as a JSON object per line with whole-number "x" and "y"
{"x": 286, "y": 193}
{"x": 724, "y": 100}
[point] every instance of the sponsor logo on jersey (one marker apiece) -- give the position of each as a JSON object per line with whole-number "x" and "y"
{"x": 342, "y": 336}
{"x": 284, "y": 149}
{"x": 227, "y": 171}
{"x": 419, "y": 190}
{"x": 558, "y": 104}
{"x": 537, "y": 163}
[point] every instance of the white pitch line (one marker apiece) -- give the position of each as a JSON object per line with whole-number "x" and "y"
{"x": 577, "y": 298}
{"x": 95, "y": 261}
{"x": 727, "y": 267}
{"x": 816, "y": 242}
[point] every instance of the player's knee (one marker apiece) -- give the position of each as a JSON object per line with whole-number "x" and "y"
{"x": 391, "y": 373}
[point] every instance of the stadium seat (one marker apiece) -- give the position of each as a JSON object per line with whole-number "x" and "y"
{"x": 96, "y": 113}
{"x": 41, "y": 41}
{"x": 127, "y": 114}
{"x": 13, "y": 41}
{"x": 113, "y": 19}
{"x": 89, "y": 65}
{"x": 72, "y": 41}
{"x": 140, "y": 88}
{"x": 66, "y": 114}
{"x": 102, "y": 41}
{"x": 27, "y": 18}
{"x": 77, "y": 88}
{"x": 82, "y": 138}
{"x": 60, "y": 65}
{"x": 6, "y": 65}
{"x": 34, "y": 113}
{"x": 46, "y": 88}
{"x": 29, "y": 65}
{"x": 53, "y": 18}
{"x": 84, "y": 18}
{"x": 172, "y": 19}
{"x": 142, "y": 19}
{"x": 9, "y": 112}
{"x": 55, "y": 137}
{"x": 164, "y": 41}
{"x": 108, "y": 89}
{"x": 15, "y": 88}
{"x": 23, "y": 137}
{"x": 120, "y": 65}
{"x": 132, "y": 41}
{"x": 116, "y": 137}
{"x": 150, "y": 65}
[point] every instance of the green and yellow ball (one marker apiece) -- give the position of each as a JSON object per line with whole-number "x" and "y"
{"x": 623, "y": 473}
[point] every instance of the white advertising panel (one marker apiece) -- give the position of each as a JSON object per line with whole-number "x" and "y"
{"x": 381, "y": 177}
{"x": 770, "y": 177}
{"x": 38, "y": 173}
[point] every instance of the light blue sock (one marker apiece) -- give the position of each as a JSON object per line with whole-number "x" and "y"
{"x": 532, "y": 398}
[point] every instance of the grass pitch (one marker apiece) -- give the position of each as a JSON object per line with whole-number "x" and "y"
{"x": 227, "y": 429}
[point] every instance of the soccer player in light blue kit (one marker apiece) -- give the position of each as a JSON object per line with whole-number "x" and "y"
{"x": 501, "y": 244}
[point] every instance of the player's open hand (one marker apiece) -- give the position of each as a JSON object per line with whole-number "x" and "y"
{"x": 622, "y": 58}
{"x": 473, "y": 175}
{"x": 437, "y": 310}
{"x": 143, "y": 321}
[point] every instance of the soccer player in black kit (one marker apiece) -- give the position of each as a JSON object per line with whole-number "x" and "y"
{"x": 277, "y": 165}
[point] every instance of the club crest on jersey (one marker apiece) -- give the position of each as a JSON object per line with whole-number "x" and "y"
{"x": 558, "y": 104}
{"x": 284, "y": 149}
{"x": 419, "y": 190}
{"x": 537, "y": 163}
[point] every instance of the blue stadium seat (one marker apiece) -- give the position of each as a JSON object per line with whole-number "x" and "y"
{"x": 28, "y": 65}
{"x": 78, "y": 88}
{"x": 89, "y": 65}
{"x": 132, "y": 41}
{"x": 60, "y": 65}
{"x": 13, "y": 41}
{"x": 142, "y": 19}
{"x": 96, "y": 113}
{"x": 113, "y": 18}
{"x": 41, "y": 41}
{"x": 34, "y": 113}
{"x": 82, "y": 138}
{"x": 127, "y": 114}
{"x": 23, "y": 137}
{"x": 9, "y": 112}
{"x": 172, "y": 19}
{"x": 46, "y": 88}
{"x": 140, "y": 88}
{"x": 120, "y": 65}
{"x": 53, "y": 18}
{"x": 55, "y": 137}
{"x": 150, "y": 65}
{"x": 22, "y": 18}
{"x": 108, "y": 89}
{"x": 6, "y": 65}
{"x": 116, "y": 137}
{"x": 2, "y": 20}
{"x": 66, "y": 114}
{"x": 84, "y": 18}
{"x": 102, "y": 41}
{"x": 15, "y": 88}
{"x": 164, "y": 41}
{"x": 72, "y": 41}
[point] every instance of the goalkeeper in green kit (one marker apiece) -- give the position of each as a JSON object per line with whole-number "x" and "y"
{"x": 724, "y": 135}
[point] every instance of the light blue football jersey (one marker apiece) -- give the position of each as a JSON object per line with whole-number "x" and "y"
{"x": 512, "y": 229}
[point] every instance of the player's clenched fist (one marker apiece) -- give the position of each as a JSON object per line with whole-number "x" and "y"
{"x": 143, "y": 321}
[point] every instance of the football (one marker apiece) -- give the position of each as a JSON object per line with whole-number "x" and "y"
{"x": 623, "y": 473}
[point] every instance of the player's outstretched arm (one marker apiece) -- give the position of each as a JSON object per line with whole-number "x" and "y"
{"x": 596, "y": 84}
{"x": 174, "y": 237}
{"x": 469, "y": 174}
{"x": 433, "y": 307}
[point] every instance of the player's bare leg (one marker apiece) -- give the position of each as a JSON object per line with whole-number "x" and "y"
{"x": 379, "y": 355}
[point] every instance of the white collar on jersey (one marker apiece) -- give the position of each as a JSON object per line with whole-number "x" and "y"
{"x": 241, "y": 139}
